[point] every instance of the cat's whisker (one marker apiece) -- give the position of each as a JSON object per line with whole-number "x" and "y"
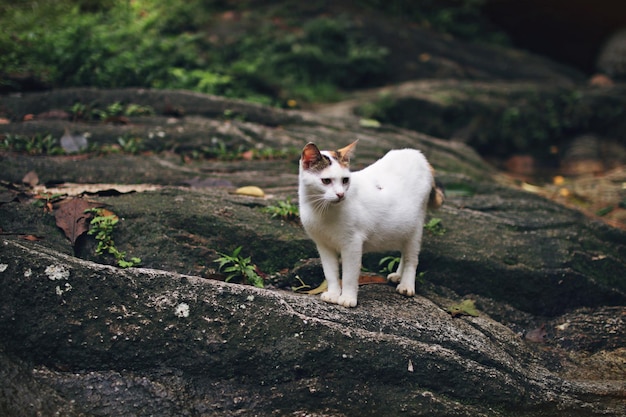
{"x": 319, "y": 203}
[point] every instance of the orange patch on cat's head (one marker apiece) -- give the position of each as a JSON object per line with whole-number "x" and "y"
{"x": 312, "y": 158}
{"x": 344, "y": 154}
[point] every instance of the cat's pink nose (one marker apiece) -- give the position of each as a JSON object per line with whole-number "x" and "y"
{"x": 339, "y": 195}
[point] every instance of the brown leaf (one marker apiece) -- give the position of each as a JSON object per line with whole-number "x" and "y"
{"x": 371, "y": 279}
{"x": 537, "y": 335}
{"x": 31, "y": 179}
{"x": 31, "y": 238}
{"x": 71, "y": 217}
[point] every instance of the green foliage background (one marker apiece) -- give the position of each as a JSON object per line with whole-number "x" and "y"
{"x": 289, "y": 50}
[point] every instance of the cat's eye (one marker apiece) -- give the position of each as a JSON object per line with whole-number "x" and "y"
{"x": 326, "y": 181}
{"x": 345, "y": 180}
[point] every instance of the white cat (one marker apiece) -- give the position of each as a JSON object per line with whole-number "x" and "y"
{"x": 380, "y": 208}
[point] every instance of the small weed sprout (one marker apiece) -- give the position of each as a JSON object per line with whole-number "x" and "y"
{"x": 81, "y": 111}
{"x": 283, "y": 209}
{"x": 435, "y": 227}
{"x": 130, "y": 144}
{"x": 38, "y": 144}
{"x": 102, "y": 226}
{"x": 237, "y": 266}
{"x": 389, "y": 264}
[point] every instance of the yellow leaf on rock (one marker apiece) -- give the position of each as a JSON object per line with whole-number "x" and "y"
{"x": 464, "y": 308}
{"x": 250, "y": 190}
{"x": 323, "y": 287}
{"x": 531, "y": 188}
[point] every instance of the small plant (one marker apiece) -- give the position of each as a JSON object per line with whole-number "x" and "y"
{"x": 81, "y": 111}
{"x": 435, "y": 227}
{"x": 389, "y": 264}
{"x": 283, "y": 209}
{"x": 217, "y": 150}
{"x": 138, "y": 110}
{"x": 38, "y": 144}
{"x": 112, "y": 110}
{"x": 130, "y": 144}
{"x": 102, "y": 226}
{"x": 237, "y": 266}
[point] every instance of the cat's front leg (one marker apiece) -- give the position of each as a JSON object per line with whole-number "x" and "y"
{"x": 350, "y": 269}
{"x": 330, "y": 265}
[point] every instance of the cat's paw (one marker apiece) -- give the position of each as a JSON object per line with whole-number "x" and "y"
{"x": 330, "y": 297}
{"x": 407, "y": 290}
{"x": 346, "y": 301}
{"x": 394, "y": 277}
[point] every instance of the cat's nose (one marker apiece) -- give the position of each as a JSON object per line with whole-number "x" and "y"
{"x": 340, "y": 195}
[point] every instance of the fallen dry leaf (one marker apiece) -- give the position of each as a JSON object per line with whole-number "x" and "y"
{"x": 71, "y": 217}
{"x": 31, "y": 179}
{"x": 250, "y": 190}
{"x": 363, "y": 280}
{"x": 31, "y": 238}
{"x": 537, "y": 335}
{"x": 323, "y": 287}
{"x": 73, "y": 189}
{"x": 372, "y": 279}
{"x": 464, "y": 308}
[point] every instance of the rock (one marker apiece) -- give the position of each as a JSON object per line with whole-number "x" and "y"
{"x": 415, "y": 52}
{"x": 601, "y": 81}
{"x": 115, "y": 345}
{"x": 165, "y": 339}
{"x": 582, "y": 156}
{"x": 498, "y": 119}
{"x": 612, "y": 57}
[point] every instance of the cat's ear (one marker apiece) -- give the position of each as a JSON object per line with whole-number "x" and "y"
{"x": 310, "y": 155}
{"x": 346, "y": 153}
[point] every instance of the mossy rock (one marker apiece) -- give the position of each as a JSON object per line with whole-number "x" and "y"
{"x": 500, "y": 119}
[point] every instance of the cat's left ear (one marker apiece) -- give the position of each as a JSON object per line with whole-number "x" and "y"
{"x": 346, "y": 153}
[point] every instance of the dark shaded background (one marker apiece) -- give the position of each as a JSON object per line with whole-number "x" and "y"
{"x": 569, "y": 31}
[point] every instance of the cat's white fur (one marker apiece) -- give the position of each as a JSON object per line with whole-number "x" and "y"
{"x": 380, "y": 208}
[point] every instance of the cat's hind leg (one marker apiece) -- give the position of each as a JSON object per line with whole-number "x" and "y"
{"x": 396, "y": 276}
{"x": 409, "y": 261}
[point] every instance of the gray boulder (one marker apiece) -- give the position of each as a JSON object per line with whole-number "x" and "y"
{"x": 84, "y": 338}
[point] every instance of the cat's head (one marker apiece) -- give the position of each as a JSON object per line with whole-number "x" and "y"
{"x": 325, "y": 175}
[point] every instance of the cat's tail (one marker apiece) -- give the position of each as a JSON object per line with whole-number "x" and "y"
{"x": 437, "y": 196}
{"x": 437, "y": 193}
